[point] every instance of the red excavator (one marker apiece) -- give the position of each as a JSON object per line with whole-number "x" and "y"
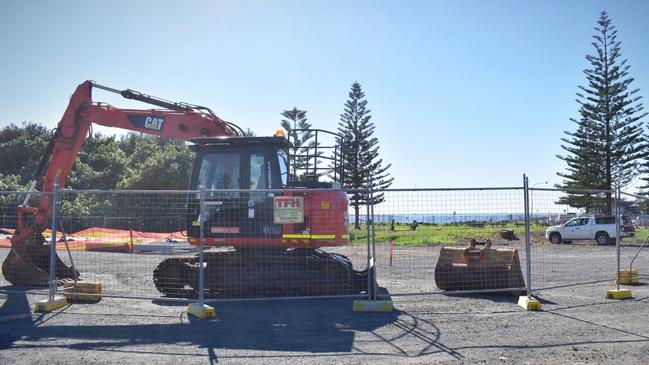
{"x": 270, "y": 238}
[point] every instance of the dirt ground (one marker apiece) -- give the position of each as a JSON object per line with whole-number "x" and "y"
{"x": 576, "y": 324}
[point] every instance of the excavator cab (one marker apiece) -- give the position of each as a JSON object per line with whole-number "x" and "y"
{"x": 229, "y": 170}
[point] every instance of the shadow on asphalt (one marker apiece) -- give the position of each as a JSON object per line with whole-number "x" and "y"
{"x": 495, "y": 297}
{"x": 307, "y": 325}
{"x": 311, "y": 328}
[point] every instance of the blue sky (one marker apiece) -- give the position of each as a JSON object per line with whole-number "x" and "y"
{"x": 462, "y": 93}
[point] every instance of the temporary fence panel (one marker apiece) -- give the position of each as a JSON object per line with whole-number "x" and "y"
{"x": 634, "y": 260}
{"x": 423, "y": 239}
{"x": 118, "y": 238}
{"x": 258, "y": 243}
{"x": 573, "y": 238}
{"x": 9, "y": 223}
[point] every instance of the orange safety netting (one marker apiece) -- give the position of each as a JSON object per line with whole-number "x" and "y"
{"x": 101, "y": 239}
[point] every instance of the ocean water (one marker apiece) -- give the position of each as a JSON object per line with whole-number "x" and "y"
{"x": 446, "y": 218}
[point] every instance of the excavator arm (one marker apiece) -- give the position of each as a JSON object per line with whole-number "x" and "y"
{"x": 24, "y": 264}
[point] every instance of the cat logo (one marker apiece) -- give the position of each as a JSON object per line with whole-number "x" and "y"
{"x": 154, "y": 123}
{"x": 150, "y": 122}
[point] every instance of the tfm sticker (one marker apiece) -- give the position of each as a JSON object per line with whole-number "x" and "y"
{"x": 288, "y": 209}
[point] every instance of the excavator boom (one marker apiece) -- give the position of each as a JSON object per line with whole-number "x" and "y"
{"x": 25, "y": 264}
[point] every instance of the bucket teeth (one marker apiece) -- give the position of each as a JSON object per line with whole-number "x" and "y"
{"x": 28, "y": 264}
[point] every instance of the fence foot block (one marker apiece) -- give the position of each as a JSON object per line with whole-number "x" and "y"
{"x": 81, "y": 291}
{"x": 629, "y": 281}
{"x": 201, "y": 311}
{"x": 373, "y": 306}
{"x": 46, "y": 305}
{"x": 530, "y": 304}
{"x": 629, "y": 277}
{"x": 619, "y": 294}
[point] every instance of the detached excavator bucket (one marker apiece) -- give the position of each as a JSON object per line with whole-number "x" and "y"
{"x": 28, "y": 264}
{"x": 474, "y": 268}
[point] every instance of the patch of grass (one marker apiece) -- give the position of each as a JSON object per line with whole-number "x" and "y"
{"x": 436, "y": 234}
{"x": 453, "y": 234}
{"x": 641, "y": 234}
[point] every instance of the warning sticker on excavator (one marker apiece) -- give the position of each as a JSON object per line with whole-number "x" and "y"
{"x": 225, "y": 230}
{"x": 288, "y": 209}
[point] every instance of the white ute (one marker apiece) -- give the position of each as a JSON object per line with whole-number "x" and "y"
{"x": 601, "y": 229}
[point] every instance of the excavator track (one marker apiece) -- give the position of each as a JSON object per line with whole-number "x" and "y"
{"x": 172, "y": 277}
{"x": 261, "y": 272}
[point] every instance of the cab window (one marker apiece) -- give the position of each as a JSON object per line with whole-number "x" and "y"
{"x": 283, "y": 169}
{"x": 219, "y": 170}
{"x": 571, "y": 223}
{"x": 577, "y": 222}
{"x": 605, "y": 220}
{"x": 258, "y": 171}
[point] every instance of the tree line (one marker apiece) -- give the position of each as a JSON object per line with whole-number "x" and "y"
{"x": 130, "y": 162}
{"x": 134, "y": 161}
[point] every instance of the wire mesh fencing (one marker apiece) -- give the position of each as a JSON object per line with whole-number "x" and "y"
{"x": 14, "y": 213}
{"x": 434, "y": 240}
{"x": 118, "y": 238}
{"x": 211, "y": 243}
{"x": 635, "y": 253}
{"x": 573, "y": 238}
{"x": 221, "y": 244}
